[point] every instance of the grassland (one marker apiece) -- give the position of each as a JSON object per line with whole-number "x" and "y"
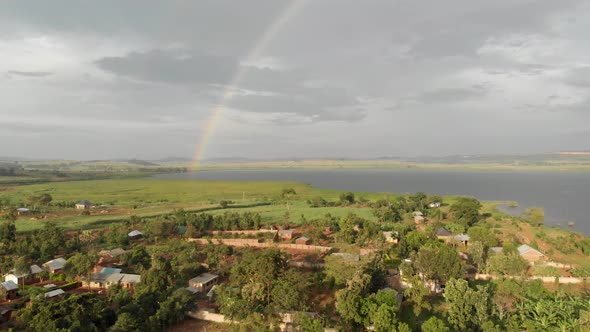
{"x": 145, "y": 197}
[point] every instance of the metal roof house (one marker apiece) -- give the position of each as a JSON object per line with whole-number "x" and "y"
{"x": 18, "y": 278}
{"x": 83, "y": 205}
{"x": 203, "y": 282}
{"x": 8, "y": 290}
{"x": 54, "y": 293}
{"x": 530, "y": 254}
{"x": 135, "y": 234}
{"x": 442, "y": 233}
{"x": 462, "y": 238}
{"x": 105, "y": 280}
{"x": 55, "y": 265}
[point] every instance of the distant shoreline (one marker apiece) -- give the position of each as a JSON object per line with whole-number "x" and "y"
{"x": 335, "y": 164}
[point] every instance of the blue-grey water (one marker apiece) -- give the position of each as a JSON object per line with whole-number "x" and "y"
{"x": 565, "y": 196}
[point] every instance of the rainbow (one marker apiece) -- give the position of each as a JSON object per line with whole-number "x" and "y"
{"x": 285, "y": 16}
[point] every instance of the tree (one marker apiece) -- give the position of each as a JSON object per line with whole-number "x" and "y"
{"x": 289, "y": 292}
{"x": 466, "y": 210}
{"x": 127, "y": 322}
{"x": 79, "y": 265}
{"x": 347, "y": 198}
{"x": 438, "y": 262}
{"x": 77, "y": 312}
{"x": 287, "y": 194}
{"x": 349, "y": 301}
{"x": 175, "y": 307}
{"x": 477, "y": 253}
{"x": 22, "y": 267}
{"x": 434, "y": 324}
{"x": 256, "y": 273}
{"x": 308, "y": 324}
{"x": 380, "y": 310}
{"x": 483, "y": 235}
{"x": 340, "y": 269}
{"x": 417, "y": 294}
{"x": 467, "y": 308}
{"x": 507, "y": 264}
{"x": 139, "y": 259}
{"x": 7, "y": 231}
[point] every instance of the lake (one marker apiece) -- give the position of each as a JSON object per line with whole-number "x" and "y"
{"x": 565, "y": 196}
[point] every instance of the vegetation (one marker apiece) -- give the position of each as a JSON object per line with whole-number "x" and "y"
{"x": 361, "y": 287}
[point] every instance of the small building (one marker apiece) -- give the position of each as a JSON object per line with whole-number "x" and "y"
{"x": 303, "y": 241}
{"x": 461, "y": 238}
{"x": 530, "y": 254}
{"x": 288, "y": 234}
{"x": 54, "y": 293}
{"x": 496, "y": 250}
{"x": 434, "y": 205}
{"x": 83, "y": 205}
{"x": 110, "y": 270}
{"x": 135, "y": 234}
{"x": 55, "y": 265}
{"x": 418, "y": 213}
{"x": 443, "y": 234}
{"x": 5, "y": 313}
{"x": 20, "y": 278}
{"x": 391, "y": 237}
{"x": 8, "y": 290}
{"x": 113, "y": 253}
{"x": 22, "y": 211}
{"x": 203, "y": 282}
{"x": 419, "y": 219}
{"x": 104, "y": 280}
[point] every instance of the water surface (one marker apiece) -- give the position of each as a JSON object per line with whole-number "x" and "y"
{"x": 565, "y": 196}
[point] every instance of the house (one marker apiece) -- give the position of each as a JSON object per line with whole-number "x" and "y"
{"x": 21, "y": 211}
{"x": 461, "y": 238}
{"x": 5, "y": 313}
{"x": 288, "y": 234}
{"x": 434, "y": 205}
{"x": 303, "y": 241}
{"x": 20, "y": 278}
{"x": 530, "y": 254}
{"x": 54, "y": 293}
{"x": 113, "y": 253}
{"x": 203, "y": 282}
{"x": 496, "y": 250}
{"x": 418, "y": 213}
{"x": 55, "y": 265}
{"x": 104, "y": 280}
{"x": 135, "y": 234}
{"x": 418, "y": 219}
{"x": 391, "y": 237}
{"x": 83, "y": 205}
{"x": 443, "y": 234}
{"x": 8, "y": 290}
{"x": 110, "y": 270}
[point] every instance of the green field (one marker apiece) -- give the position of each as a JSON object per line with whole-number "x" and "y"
{"x": 149, "y": 197}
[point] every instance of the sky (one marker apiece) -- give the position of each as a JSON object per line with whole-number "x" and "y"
{"x": 293, "y": 78}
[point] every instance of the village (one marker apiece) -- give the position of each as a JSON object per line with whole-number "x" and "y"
{"x": 202, "y": 258}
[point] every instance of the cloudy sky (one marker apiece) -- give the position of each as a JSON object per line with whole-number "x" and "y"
{"x": 316, "y": 78}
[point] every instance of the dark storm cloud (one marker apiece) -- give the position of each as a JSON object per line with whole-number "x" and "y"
{"x": 328, "y": 67}
{"x": 171, "y": 67}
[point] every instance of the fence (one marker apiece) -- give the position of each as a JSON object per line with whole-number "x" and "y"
{"x": 560, "y": 280}
{"x": 209, "y": 316}
{"x": 255, "y": 244}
